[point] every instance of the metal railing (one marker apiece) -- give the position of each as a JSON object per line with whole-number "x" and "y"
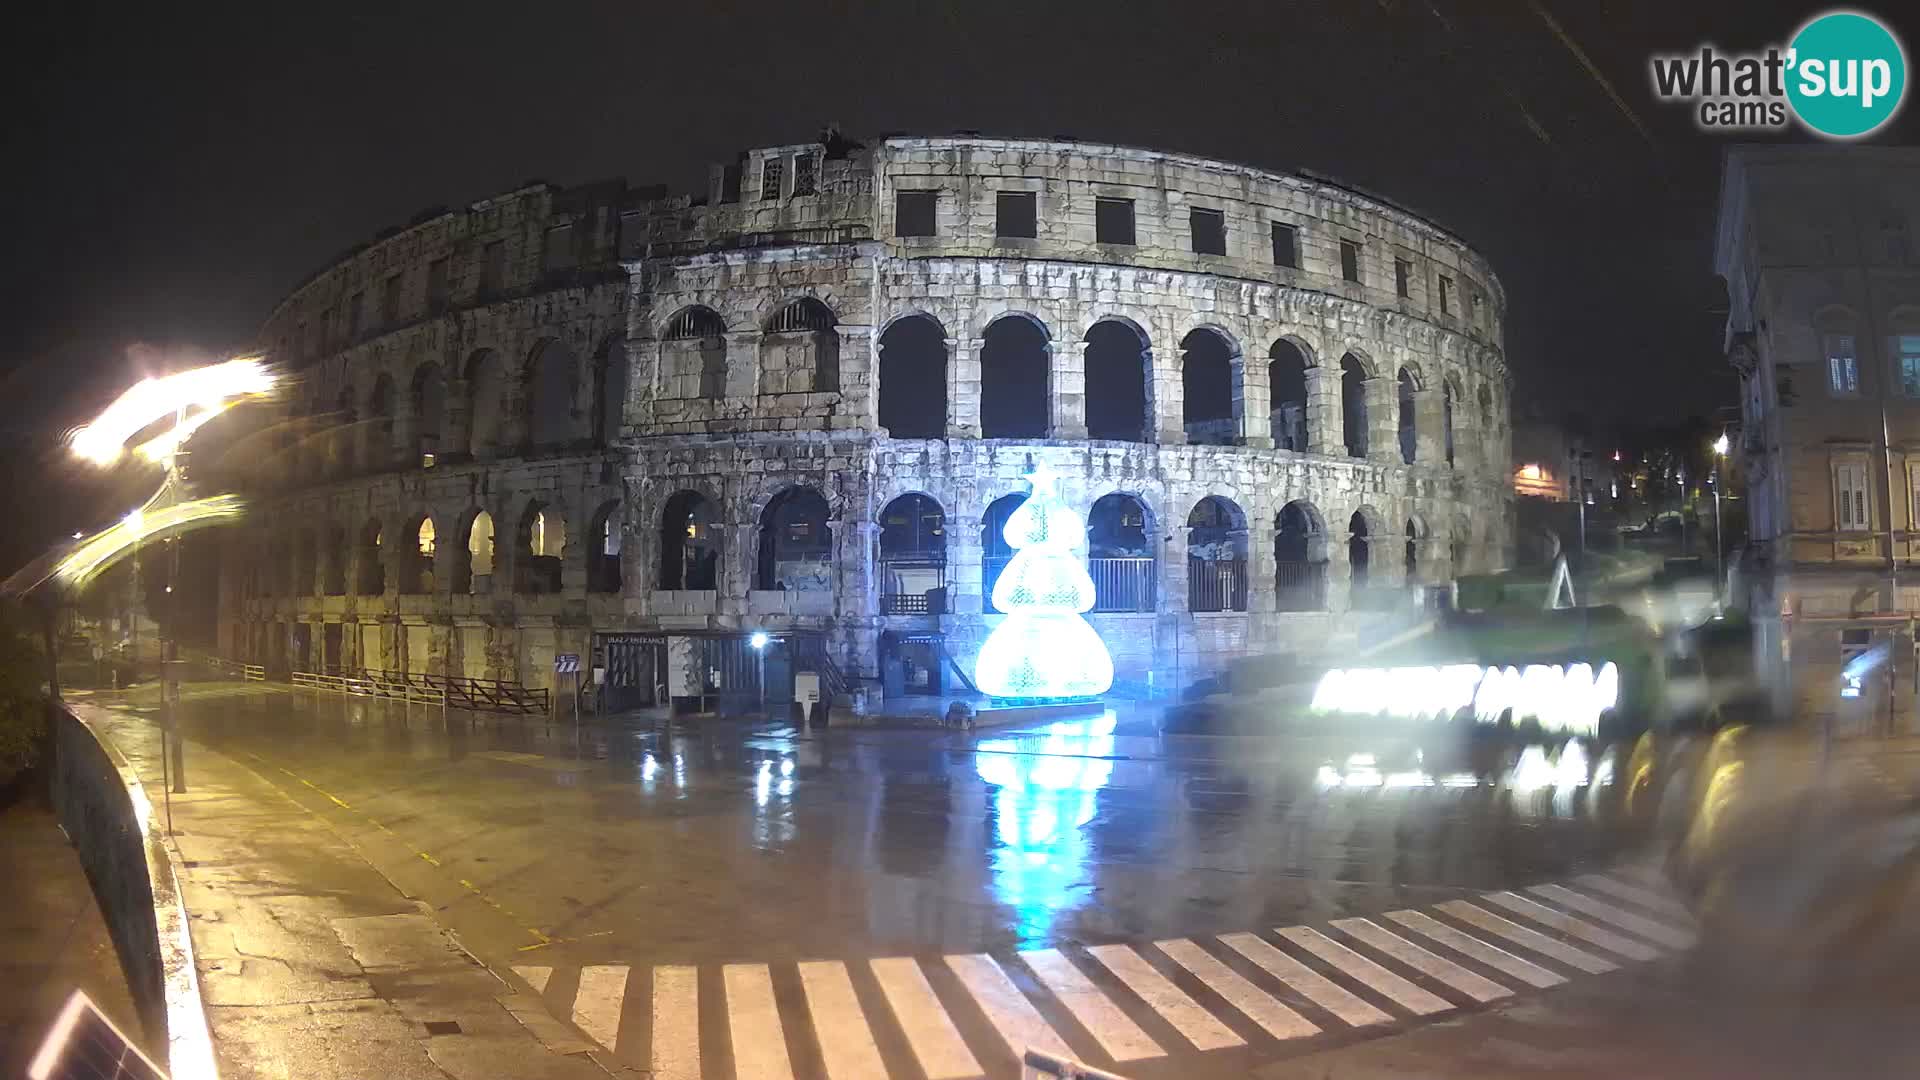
{"x": 900, "y": 581}
{"x": 478, "y": 695}
{"x": 1300, "y": 586}
{"x": 1122, "y": 584}
{"x": 1216, "y": 584}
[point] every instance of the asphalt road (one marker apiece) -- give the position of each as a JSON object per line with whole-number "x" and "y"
{"x": 921, "y": 902}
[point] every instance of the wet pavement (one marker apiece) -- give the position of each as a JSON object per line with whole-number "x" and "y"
{"x": 706, "y": 877}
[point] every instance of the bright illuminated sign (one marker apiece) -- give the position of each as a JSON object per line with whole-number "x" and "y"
{"x": 1561, "y": 698}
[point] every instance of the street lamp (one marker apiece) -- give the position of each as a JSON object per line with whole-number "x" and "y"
{"x": 1719, "y": 556}
{"x": 759, "y": 639}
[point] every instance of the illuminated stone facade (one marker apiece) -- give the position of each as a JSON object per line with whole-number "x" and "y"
{"x": 792, "y": 405}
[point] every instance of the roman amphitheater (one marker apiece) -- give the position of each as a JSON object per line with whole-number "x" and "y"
{"x": 712, "y": 444}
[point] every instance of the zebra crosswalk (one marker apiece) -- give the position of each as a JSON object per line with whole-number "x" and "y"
{"x": 1120, "y": 1006}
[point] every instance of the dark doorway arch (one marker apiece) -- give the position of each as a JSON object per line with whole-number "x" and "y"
{"x": 689, "y": 543}
{"x": 540, "y": 545}
{"x": 1117, "y": 372}
{"x": 1013, "y": 380}
{"x": 1287, "y": 384}
{"x": 1414, "y": 535}
{"x": 1216, "y": 556}
{"x": 1408, "y": 439}
{"x": 604, "y": 535}
{"x": 1300, "y": 558}
{"x": 796, "y": 543}
{"x": 1353, "y": 405}
{"x": 610, "y": 392}
{"x": 370, "y": 571}
{"x": 913, "y": 378}
{"x": 913, "y": 556}
{"x": 1359, "y": 540}
{"x": 552, "y": 380}
{"x": 1120, "y": 554}
{"x": 421, "y": 542}
{"x": 486, "y": 403}
{"x": 1206, "y": 382}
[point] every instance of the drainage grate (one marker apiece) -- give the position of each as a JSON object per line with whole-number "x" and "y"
{"x": 443, "y": 1027}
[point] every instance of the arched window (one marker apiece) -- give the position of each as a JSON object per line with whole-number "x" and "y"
{"x": 610, "y": 392}
{"x": 371, "y": 569}
{"x": 1287, "y": 384}
{"x": 603, "y": 550}
{"x": 486, "y": 403}
{"x": 796, "y": 543}
{"x": 1118, "y": 371}
{"x": 1206, "y": 382}
{"x": 378, "y": 454}
{"x": 800, "y": 350}
{"x": 1013, "y": 380}
{"x": 552, "y": 382}
{"x": 689, "y": 544}
{"x": 1300, "y": 558}
{"x": 542, "y": 542}
{"x": 1120, "y": 554}
{"x": 693, "y": 355}
{"x": 416, "y": 562}
{"x": 1216, "y": 556}
{"x": 1408, "y": 439}
{"x": 994, "y": 552}
{"x": 1446, "y": 417}
{"x": 1353, "y": 405}
{"x": 429, "y": 413}
{"x": 335, "y": 555}
{"x": 913, "y": 557}
{"x": 473, "y": 573}
{"x": 1415, "y": 534}
{"x": 1358, "y": 549}
{"x": 913, "y": 379}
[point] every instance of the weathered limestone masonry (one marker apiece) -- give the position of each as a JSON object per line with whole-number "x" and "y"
{"x": 791, "y": 406}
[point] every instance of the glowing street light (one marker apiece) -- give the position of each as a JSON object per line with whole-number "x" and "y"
{"x": 205, "y": 391}
{"x": 1719, "y": 558}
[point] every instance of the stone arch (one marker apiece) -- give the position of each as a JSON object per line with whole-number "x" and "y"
{"x": 994, "y": 550}
{"x": 1287, "y": 363}
{"x": 378, "y": 450}
{"x": 605, "y": 532}
{"x": 421, "y": 542}
{"x": 1450, "y": 397}
{"x": 689, "y": 542}
{"x": 1216, "y": 555}
{"x": 539, "y": 548}
{"x": 1416, "y": 535}
{"x": 1015, "y": 380}
{"x": 1353, "y": 404}
{"x": 913, "y": 377}
{"x": 800, "y": 349}
{"x": 551, "y": 386}
{"x": 693, "y": 344}
{"x": 370, "y": 566}
{"x": 1210, "y": 405}
{"x": 912, "y": 561}
{"x": 1364, "y": 529}
{"x": 475, "y": 554}
{"x": 486, "y": 403}
{"x": 1405, "y": 387}
{"x": 429, "y": 412}
{"x": 1121, "y": 553}
{"x": 1300, "y": 557}
{"x": 1460, "y": 545}
{"x": 796, "y": 542}
{"x": 610, "y": 379}
{"x": 1119, "y": 370}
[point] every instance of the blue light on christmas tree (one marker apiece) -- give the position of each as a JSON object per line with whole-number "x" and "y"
{"x": 1044, "y": 648}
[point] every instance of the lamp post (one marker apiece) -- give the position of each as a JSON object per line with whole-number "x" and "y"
{"x": 759, "y": 642}
{"x": 1719, "y": 550}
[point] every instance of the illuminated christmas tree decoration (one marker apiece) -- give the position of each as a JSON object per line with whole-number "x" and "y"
{"x": 1044, "y": 648}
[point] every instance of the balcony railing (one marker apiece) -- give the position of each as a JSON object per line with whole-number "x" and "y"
{"x": 1122, "y": 584}
{"x": 1216, "y": 584}
{"x": 915, "y": 585}
{"x": 1300, "y": 586}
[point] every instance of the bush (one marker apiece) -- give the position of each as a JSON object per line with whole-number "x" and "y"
{"x": 22, "y": 693}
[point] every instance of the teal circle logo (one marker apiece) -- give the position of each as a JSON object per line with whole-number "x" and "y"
{"x": 1847, "y": 74}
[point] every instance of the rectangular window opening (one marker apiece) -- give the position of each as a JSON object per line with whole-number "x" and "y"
{"x": 439, "y": 289}
{"x": 913, "y": 213}
{"x": 1907, "y": 348}
{"x": 559, "y": 247}
{"x": 1843, "y": 365}
{"x": 1402, "y": 278}
{"x": 806, "y": 171}
{"x": 1209, "y": 228}
{"x": 1446, "y": 295}
{"x": 390, "y": 301}
{"x": 1350, "y": 260}
{"x": 493, "y": 266}
{"x": 770, "y": 179}
{"x": 1850, "y": 496}
{"x": 1016, "y": 214}
{"x": 1286, "y": 245}
{"x": 1113, "y": 221}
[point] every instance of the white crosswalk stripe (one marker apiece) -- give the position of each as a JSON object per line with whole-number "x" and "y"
{"x": 942, "y": 1053}
{"x": 536, "y": 977}
{"x": 1531, "y": 939}
{"x": 846, "y": 1042}
{"x": 1564, "y": 923}
{"x": 676, "y": 1023}
{"x": 597, "y": 1005}
{"x": 753, "y": 1021}
{"x": 1467, "y": 945}
{"x": 1370, "y": 974}
{"x": 1661, "y": 903}
{"x": 1657, "y": 932}
{"x": 1120, "y": 1037}
{"x": 1309, "y": 983}
{"x": 1196, "y": 1024}
{"x": 1477, "y": 987}
{"x": 1259, "y": 1006}
{"x": 1011, "y": 1014}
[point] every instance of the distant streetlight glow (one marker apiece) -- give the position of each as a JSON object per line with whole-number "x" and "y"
{"x": 759, "y": 639}
{"x": 1720, "y": 445}
{"x": 205, "y": 391}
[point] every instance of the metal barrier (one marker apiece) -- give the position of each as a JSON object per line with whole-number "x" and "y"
{"x": 1216, "y": 584}
{"x": 479, "y": 695}
{"x": 1300, "y": 586}
{"x": 1122, "y": 584}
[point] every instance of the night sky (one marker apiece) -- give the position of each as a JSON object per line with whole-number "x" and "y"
{"x": 175, "y": 170}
